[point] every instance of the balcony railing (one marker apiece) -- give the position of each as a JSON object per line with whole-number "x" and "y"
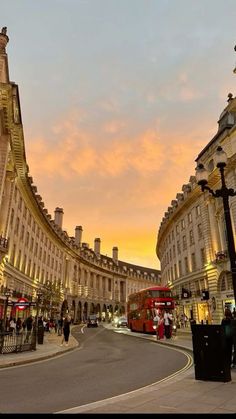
{"x": 3, "y": 243}
{"x": 221, "y": 256}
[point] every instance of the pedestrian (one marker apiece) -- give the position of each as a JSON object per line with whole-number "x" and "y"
{"x": 234, "y": 313}
{"x": 226, "y": 322}
{"x": 12, "y": 326}
{"x": 29, "y": 327}
{"x": 160, "y": 327}
{"x": 66, "y": 331}
{"x": 233, "y": 328}
{"x": 168, "y": 319}
{"x": 18, "y": 325}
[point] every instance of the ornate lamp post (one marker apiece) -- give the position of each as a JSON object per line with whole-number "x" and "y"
{"x": 38, "y": 295}
{"x": 224, "y": 193}
{"x": 7, "y": 294}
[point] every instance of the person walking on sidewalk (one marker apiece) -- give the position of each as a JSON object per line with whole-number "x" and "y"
{"x": 168, "y": 319}
{"x": 160, "y": 327}
{"x": 66, "y": 331}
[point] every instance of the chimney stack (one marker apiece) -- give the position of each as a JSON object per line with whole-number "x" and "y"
{"x": 78, "y": 235}
{"x": 58, "y": 218}
{"x": 115, "y": 254}
{"x": 97, "y": 245}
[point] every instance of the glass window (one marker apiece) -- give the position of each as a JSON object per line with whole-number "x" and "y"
{"x": 193, "y": 260}
{"x": 186, "y": 265}
{"x": 199, "y": 230}
{"x": 189, "y": 217}
{"x": 191, "y": 237}
{"x": 198, "y": 211}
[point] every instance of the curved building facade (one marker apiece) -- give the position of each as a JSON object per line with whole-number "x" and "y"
{"x": 192, "y": 241}
{"x": 36, "y": 254}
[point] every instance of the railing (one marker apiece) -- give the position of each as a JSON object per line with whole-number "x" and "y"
{"x": 3, "y": 242}
{"x": 17, "y": 342}
{"x": 221, "y": 256}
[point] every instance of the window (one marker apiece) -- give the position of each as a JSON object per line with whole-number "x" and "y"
{"x": 177, "y": 229}
{"x": 198, "y": 211}
{"x": 178, "y": 247}
{"x": 20, "y": 204}
{"x": 22, "y": 232}
{"x": 24, "y": 264}
{"x": 189, "y": 217}
{"x": 175, "y": 271}
{"x": 174, "y": 253}
{"x": 12, "y": 217}
{"x": 27, "y": 239}
{"x": 15, "y": 194}
{"x": 199, "y": 230}
{"x": 191, "y": 237}
{"x": 184, "y": 243}
{"x": 203, "y": 256}
{"x": 17, "y": 226}
{"x": 182, "y": 224}
{"x": 13, "y": 254}
{"x": 180, "y": 268}
{"x": 186, "y": 265}
{"x": 18, "y": 260}
{"x": 193, "y": 261}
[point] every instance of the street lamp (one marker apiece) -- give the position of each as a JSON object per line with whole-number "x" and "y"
{"x": 224, "y": 193}
{"x": 7, "y": 294}
{"x": 38, "y": 295}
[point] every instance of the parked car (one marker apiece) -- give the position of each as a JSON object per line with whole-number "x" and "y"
{"x": 92, "y": 321}
{"x": 121, "y": 322}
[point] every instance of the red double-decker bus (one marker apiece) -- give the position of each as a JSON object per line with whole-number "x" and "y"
{"x": 143, "y": 305}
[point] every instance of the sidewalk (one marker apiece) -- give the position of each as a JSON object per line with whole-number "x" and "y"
{"x": 180, "y": 393}
{"x": 51, "y": 347}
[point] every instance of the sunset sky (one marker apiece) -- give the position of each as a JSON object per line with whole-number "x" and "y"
{"x": 118, "y": 97}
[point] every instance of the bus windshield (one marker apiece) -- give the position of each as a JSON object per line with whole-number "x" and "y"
{"x": 159, "y": 294}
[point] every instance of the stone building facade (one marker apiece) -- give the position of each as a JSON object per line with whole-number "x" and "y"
{"x": 36, "y": 253}
{"x": 192, "y": 241}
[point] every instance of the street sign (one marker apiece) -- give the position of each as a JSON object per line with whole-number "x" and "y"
{"x": 22, "y": 303}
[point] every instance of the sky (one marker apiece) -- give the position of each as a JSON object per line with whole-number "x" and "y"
{"x": 118, "y": 97}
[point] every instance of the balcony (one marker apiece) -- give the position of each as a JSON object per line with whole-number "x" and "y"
{"x": 3, "y": 247}
{"x": 221, "y": 256}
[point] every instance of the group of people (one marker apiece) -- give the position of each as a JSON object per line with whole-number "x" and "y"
{"x": 164, "y": 322}
{"x": 16, "y": 327}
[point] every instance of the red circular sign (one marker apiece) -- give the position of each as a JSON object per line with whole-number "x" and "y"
{"x": 24, "y": 305}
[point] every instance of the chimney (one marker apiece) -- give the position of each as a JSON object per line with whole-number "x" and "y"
{"x": 97, "y": 244}
{"x": 115, "y": 254}
{"x": 78, "y": 235}
{"x": 4, "y": 73}
{"x": 58, "y": 216}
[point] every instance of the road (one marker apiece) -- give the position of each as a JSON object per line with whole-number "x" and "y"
{"x": 106, "y": 364}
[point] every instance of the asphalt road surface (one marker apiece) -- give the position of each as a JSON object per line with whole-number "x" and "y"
{"x": 106, "y": 364}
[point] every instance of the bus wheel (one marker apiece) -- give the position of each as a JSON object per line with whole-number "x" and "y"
{"x": 131, "y": 329}
{"x": 144, "y": 328}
